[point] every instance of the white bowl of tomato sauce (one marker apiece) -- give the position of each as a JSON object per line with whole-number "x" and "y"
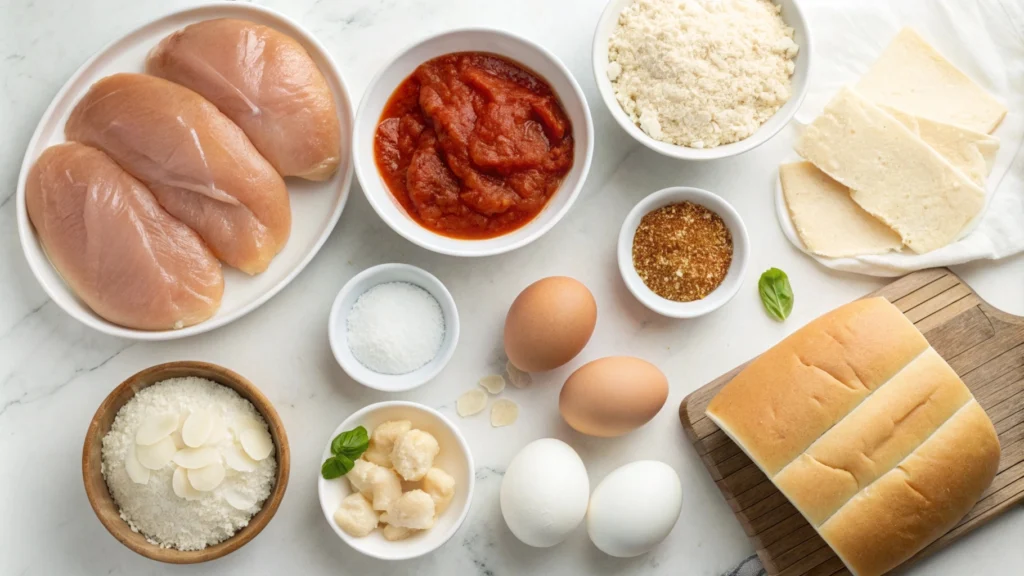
{"x": 473, "y": 142}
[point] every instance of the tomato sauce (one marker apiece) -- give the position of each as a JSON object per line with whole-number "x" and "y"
{"x": 473, "y": 145}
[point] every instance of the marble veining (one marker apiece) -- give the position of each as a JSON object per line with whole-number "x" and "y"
{"x": 54, "y": 372}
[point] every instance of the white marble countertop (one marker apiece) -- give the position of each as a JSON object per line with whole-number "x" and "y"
{"x": 54, "y": 372}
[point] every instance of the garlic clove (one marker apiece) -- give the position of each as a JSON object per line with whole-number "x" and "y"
{"x": 238, "y": 460}
{"x": 156, "y": 456}
{"x": 206, "y": 478}
{"x": 136, "y": 471}
{"x": 193, "y": 458}
{"x": 197, "y": 428}
{"x": 181, "y": 486}
{"x": 237, "y": 500}
{"x": 394, "y": 533}
{"x": 415, "y": 509}
{"x": 156, "y": 428}
{"x": 471, "y": 402}
{"x": 441, "y": 487}
{"x": 493, "y": 383}
{"x": 504, "y": 412}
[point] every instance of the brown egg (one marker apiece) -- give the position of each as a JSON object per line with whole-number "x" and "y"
{"x": 612, "y": 396}
{"x": 549, "y": 323}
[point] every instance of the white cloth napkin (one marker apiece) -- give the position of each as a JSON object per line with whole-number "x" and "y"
{"x": 985, "y": 39}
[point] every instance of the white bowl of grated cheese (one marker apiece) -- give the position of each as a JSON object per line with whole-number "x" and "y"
{"x": 397, "y": 359}
{"x": 707, "y": 102}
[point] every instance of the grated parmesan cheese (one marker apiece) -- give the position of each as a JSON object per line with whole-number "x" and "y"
{"x": 168, "y": 511}
{"x": 701, "y": 73}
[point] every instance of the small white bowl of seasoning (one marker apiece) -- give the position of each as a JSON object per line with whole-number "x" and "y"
{"x": 683, "y": 252}
{"x": 393, "y": 327}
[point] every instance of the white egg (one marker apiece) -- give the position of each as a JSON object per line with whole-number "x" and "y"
{"x": 634, "y": 508}
{"x": 544, "y": 492}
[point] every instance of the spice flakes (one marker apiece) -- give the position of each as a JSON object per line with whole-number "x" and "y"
{"x": 682, "y": 252}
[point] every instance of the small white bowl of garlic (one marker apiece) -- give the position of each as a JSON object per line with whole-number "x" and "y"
{"x": 417, "y": 470}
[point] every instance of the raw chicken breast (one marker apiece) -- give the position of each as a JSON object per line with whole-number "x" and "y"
{"x": 198, "y": 163}
{"x": 122, "y": 254}
{"x": 264, "y": 81}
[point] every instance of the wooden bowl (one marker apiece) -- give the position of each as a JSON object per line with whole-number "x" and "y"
{"x": 96, "y": 487}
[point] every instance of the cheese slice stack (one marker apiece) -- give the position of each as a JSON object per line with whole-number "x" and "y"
{"x": 910, "y": 146}
{"x": 866, "y": 430}
{"x": 892, "y": 173}
{"x": 827, "y": 219}
{"x": 912, "y": 76}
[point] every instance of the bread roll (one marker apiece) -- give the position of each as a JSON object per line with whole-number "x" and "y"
{"x": 866, "y": 430}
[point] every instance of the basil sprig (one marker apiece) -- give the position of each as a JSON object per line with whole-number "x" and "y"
{"x": 776, "y": 293}
{"x": 345, "y": 449}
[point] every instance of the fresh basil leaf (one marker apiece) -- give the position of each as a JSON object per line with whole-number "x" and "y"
{"x": 776, "y": 293}
{"x": 351, "y": 443}
{"x": 336, "y": 467}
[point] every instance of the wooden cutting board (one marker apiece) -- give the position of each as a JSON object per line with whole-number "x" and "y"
{"x": 984, "y": 346}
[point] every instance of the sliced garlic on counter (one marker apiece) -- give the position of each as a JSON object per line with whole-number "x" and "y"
{"x": 181, "y": 486}
{"x": 197, "y": 428}
{"x": 517, "y": 377}
{"x": 394, "y": 533}
{"x": 206, "y": 478}
{"x": 136, "y": 471}
{"x": 156, "y": 456}
{"x": 471, "y": 402}
{"x": 257, "y": 443}
{"x": 493, "y": 383}
{"x": 504, "y": 412}
{"x": 193, "y": 458}
{"x": 218, "y": 430}
{"x": 237, "y": 500}
{"x": 238, "y": 460}
{"x": 156, "y": 428}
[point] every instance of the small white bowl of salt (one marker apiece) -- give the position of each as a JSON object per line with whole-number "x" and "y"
{"x": 393, "y": 327}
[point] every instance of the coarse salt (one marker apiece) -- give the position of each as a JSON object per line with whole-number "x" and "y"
{"x": 395, "y": 328}
{"x": 184, "y": 497}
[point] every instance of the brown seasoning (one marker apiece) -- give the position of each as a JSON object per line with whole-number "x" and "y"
{"x": 682, "y": 252}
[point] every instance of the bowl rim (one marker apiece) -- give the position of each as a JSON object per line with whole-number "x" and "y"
{"x": 394, "y": 382}
{"x": 741, "y": 252}
{"x": 603, "y": 31}
{"x": 98, "y": 492}
{"x": 373, "y": 189}
{"x": 463, "y": 444}
{"x": 27, "y": 233}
